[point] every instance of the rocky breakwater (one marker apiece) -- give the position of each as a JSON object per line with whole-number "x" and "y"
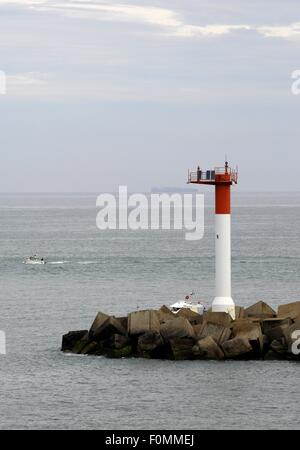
{"x": 258, "y": 333}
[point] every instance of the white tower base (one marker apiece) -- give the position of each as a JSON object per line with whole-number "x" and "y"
{"x": 223, "y": 301}
{"x": 224, "y": 304}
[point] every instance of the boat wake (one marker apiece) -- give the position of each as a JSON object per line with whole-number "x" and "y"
{"x": 58, "y": 262}
{"x": 85, "y": 263}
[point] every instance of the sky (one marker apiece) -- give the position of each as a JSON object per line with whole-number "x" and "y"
{"x": 107, "y": 93}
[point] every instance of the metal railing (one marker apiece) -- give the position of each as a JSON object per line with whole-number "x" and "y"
{"x": 234, "y": 176}
{"x": 210, "y": 175}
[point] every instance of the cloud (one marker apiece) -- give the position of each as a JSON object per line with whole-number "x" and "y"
{"x": 286, "y": 31}
{"x": 208, "y": 30}
{"x": 51, "y": 87}
{"x": 27, "y": 84}
{"x": 27, "y": 79}
{"x": 22, "y": 2}
{"x": 168, "y": 21}
{"x": 133, "y": 13}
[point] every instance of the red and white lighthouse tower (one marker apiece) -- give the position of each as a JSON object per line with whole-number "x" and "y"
{"x": 222, "y": 178}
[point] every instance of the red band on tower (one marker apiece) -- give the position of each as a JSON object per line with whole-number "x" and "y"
{"x": 223, "y": 203}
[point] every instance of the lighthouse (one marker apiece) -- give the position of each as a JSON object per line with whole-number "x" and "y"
{"x": 222, "y": 178}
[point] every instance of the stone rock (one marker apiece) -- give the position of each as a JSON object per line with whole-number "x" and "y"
{"x": 92, "y": 348}
{"x": 276, "y": 333}
{"x": 266, "y": 344}
{"x": 297, "y": 318}
{"x": 208, "y": 349}
{"x": 257, "y": 320}
{"x": 105, "y": 326}
{"x": 269, "y": 324}
{"x": 291, "y": 310}
{"x": 219, "y": 333}
{"x": 70, "y": 339}
{"x": 124, "y": 352}
{"x": 273, "y": 356}
{"x": 218, "y": 318}
{"x": 198, "y": 329}
{"x": 99, "y": 320}
{"x": 149, "y": 341}
{"x": 165, "y": 310}
{"x": 152, "y": 345}
{"x": 239, "y": 347}
{"x": 164, "y": 314}
{"x": 241, "y": 325}
{"x": 193, "y": 317}
{"x": 80, "y": 345}
{"x": 181, "y": 348}
{"x": 251, "y": 331}
{"x": 279, "y": 347}
{"x": 177, "y": 328}
{"x": 239, "y": 312}
{"x": 116, "y": 341}
{"x": 123, "y": 322}
{"x": 140, "y": 322}
{"x": 260, "y": 310}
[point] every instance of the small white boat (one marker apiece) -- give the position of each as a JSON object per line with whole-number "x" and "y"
{"x": 34, "y": 260}
{"x": 187, "y": 303}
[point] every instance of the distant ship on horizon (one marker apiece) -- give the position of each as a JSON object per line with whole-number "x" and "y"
{"x": 172, "y": 190}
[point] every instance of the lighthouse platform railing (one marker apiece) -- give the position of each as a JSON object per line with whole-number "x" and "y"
{"x": 209, "y": 176}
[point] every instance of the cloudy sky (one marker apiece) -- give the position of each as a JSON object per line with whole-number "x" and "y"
{"x": 102, "y": 93}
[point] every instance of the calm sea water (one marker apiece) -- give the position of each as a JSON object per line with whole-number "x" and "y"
{"x": 117, "y": 272}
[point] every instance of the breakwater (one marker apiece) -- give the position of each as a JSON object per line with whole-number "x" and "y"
{"x": 258, "y": 333}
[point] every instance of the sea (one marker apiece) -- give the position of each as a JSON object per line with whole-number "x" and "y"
{"x": 117, "y": 272}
